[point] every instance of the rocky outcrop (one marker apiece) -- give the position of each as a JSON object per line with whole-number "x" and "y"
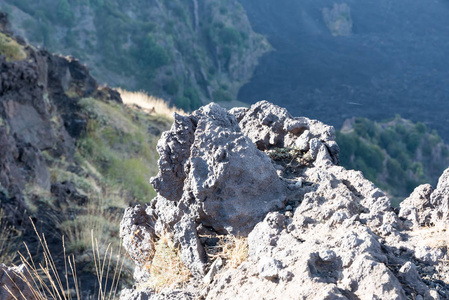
{"x": 14, "y": 283}
{"x": 210, "y": 176}
{"x": 270, "y": 126}
{"x": 39, "y": 112}
{"x": 314, "y": 229}
{"x": 428, "y": 206}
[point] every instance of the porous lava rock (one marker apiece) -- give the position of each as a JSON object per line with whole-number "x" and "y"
{"x": 321, "y": 231}
{"x": 39, "y": 112}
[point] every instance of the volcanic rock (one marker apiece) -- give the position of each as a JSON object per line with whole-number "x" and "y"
{"x": 224, "y": 173}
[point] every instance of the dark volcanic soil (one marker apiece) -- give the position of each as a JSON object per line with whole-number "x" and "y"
{"x": 395, "y": 62}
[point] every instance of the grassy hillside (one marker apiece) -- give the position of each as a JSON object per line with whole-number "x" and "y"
{"x": 189, "y": 52}
{"x": 397, "y": 155}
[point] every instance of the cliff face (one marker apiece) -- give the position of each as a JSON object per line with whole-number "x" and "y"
{"x": 61, "y": 163}
{"x": 37, "y": 115}
{"x": 189, "y": 52}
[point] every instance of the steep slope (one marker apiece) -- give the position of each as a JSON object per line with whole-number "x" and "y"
{"x": 190, "y": 52}
{"x": 72, "y": 155}
{"x": 390, "y": 60}
{"x": 397, "y": 155}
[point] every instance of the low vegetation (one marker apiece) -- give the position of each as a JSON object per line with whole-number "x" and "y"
{"x": 9, "y": 239}
{"x": 113, "y": 162}
{"x": 166, "y": 268}
{"x": 11, "y": 49}
{"x": 166, "y": 48}
{"x": 232, "y": 249}
{"x": 120, "y": 146}
{"x": 45, "y": 280}
{"x": 149, "y": 104}
{"x": 397, "y": 155}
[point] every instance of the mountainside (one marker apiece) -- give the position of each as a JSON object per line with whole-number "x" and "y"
{"x": 188, "y": 52}
{"x": 397, "y": 155}
{"x": 354, "y": 58}
{"x": 73, "y": 157}
{"x": 249, "y": 201}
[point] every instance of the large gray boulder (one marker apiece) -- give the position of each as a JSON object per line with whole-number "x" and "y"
{"x": 210, "y": 176}
{"x": 216, "y": 175}
{"x": 416, "y": 209}
{"x": 440, "y": 199}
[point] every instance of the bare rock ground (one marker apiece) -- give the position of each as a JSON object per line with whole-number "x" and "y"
{"x": 315, "y": 230}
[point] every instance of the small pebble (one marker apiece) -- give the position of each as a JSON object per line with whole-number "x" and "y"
{"x": 289, "y": 214}
{"x": 289, "y": 207}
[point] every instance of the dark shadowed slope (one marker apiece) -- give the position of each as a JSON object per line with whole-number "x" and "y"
{"x": 394, "y": 61}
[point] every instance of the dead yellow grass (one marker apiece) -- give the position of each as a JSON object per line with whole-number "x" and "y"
{"x": 94, "y": 218}
{"x": 233, "y": 249}
{"x": 149, "y": 103}
{"x": 434, "y": 237}
{"x": 44, "y": 281}
{"x": 166, "y": 268}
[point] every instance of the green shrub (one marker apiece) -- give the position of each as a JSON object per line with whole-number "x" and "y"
{"x": 420, "y": 128}
{"x": 364, "y": 127}
{"x": 412, "y": 141}
{"x": 388, "y": 153}
{"x": 150, "y": 55}
{"x": 171, "y": 87}
{"x": 11, "y": 49}
{"x": 221, "y": 95}
{"x": 183, "y": 102}
{"x": 230, "y": 36}
{"x": 64, "y": 13}
{"x": 395, "y": 172}
{"x": 192, "y": 94}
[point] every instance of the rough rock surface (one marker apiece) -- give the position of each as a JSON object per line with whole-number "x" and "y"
{"x": 39, "y": 112}
{"x": 426, "y": 205}
{"x": 334, "y": 234}
{"x": 12, "y": 285}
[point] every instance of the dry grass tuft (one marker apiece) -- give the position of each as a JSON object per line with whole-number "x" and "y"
{"x": 149, "y": 103}
{"x": 434, "y": 237}
{"x": 233, "y": 249}
{"x": 45, "y": 282}
{"x": 166, "y": 268}
{"x": 95, "y": 217}
{"x": 106, "y": 267}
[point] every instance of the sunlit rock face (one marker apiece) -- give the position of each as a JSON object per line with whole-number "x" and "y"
{"x": 314, "y": 229}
